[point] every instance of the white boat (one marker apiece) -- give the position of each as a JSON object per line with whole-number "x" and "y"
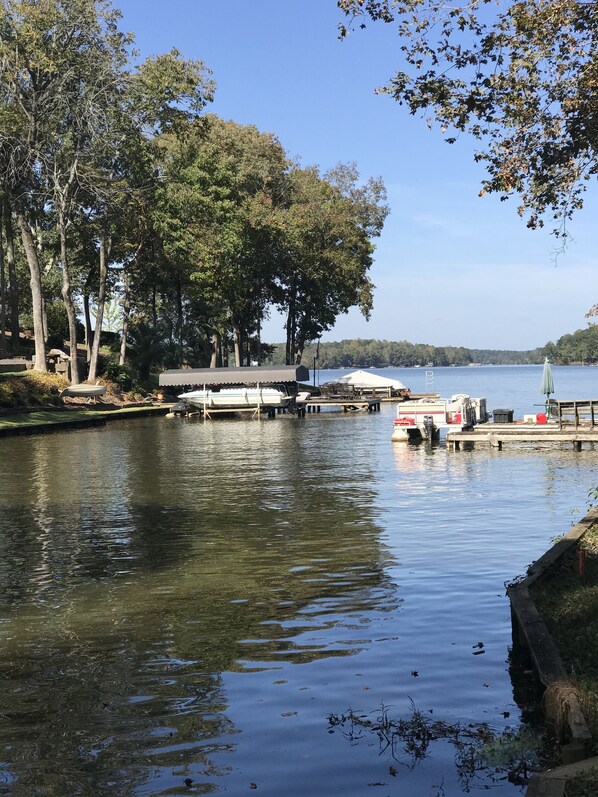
{"x": 424, "y": 418}
{"x": 84, "y": 391}
{"x": 366, "y": 382}
{"x": 236, "y": 398}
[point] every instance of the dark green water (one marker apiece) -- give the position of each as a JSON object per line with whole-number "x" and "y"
{"x": 181, "y": 600}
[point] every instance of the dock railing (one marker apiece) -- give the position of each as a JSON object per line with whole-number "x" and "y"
{"x": 576, "y": 412}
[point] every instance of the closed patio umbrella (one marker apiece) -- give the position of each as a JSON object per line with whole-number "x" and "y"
{"x": 547, "y": 383}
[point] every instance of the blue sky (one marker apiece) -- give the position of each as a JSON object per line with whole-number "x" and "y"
{"x": 450, "y": 268}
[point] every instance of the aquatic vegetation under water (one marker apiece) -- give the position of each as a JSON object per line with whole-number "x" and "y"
{"x": 481, "y": 753}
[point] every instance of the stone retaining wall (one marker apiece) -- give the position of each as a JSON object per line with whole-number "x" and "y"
{"x": 560, "y": 701}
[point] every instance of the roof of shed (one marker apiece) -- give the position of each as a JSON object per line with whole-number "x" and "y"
{"x": 234, "y": 376}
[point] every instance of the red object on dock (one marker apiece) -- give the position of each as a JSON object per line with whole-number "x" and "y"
{"x": 541, "y": 417}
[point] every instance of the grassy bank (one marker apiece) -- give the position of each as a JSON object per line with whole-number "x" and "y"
{"x": 31, "y": 399}
{"x": 30, "y": 389}
{"x": 567, "y": 599}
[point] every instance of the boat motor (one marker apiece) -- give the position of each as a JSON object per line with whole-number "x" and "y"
{"x": 429, "y": 426}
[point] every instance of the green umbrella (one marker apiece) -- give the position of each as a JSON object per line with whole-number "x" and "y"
{"x": 547, "y": 383}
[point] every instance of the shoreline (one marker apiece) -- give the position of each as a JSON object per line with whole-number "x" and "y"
{"x": 41, "y": 421}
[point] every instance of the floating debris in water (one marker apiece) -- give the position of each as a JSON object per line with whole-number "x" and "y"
{"x": 481, "y": 753}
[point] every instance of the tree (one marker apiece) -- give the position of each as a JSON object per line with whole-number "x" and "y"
{"x": 327, "y": 248}
{"x": 58, "y": 63}
{"x": 71, "y": 114}
{"x": 12, "y": 287}
{"x": 217, "y": 217}
{"x": 519, "y": 75}
{"x": 90, "y": 123}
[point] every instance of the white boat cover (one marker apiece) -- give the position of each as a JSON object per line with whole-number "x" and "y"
{"x": 366, "y": 380}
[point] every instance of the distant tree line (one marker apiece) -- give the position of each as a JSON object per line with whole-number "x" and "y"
{"x": 125, "y": 207}
{"x": 580, "y": 347}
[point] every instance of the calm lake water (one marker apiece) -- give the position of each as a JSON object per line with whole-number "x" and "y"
{"x": 184, "y": 604}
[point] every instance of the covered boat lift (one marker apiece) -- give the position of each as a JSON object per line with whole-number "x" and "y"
{"x": 365, "y": 383}
{"x": 254, "y": 376}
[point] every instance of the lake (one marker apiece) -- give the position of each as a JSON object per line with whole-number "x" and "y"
{"x": 185, "y": 604}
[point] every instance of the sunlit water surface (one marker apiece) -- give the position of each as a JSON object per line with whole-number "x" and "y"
{"x": 184, "y": 604}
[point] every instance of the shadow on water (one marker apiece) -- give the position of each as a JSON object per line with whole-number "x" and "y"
{"x": 140, "y": 563}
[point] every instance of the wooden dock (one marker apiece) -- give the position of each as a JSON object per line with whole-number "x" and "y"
{"x": 496, "y": 435}
{"x": 576, "y": 412}
{"x": 354, "y": 404}
{"x": 571, "y": 422}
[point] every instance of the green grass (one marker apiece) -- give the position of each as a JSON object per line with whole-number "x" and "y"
{"x": 43, "y": 417}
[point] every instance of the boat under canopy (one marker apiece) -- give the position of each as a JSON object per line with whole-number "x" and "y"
{"x": 364, "y": 380}
{"x": 237, "y": 398}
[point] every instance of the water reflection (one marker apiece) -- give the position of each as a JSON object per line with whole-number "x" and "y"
{"x": 141, "y": 562}
{"x": 184, "y": 600}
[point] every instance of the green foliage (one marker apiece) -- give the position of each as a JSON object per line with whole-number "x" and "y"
{"x": 239, "y": 228}
{"x": 579, "y": 347}
{"x": 31, "y": 390}
{"x": 327, "y": 251}
{"x": 568, "y": 603}
{"x": 519, "y": 75}
{"x": 369, "y": 353}
{"x": 147, "y": 348}
{"x": 123, "y": 376}
{"x": 168, "y": 91}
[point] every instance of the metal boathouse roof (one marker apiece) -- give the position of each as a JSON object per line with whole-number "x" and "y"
{"x": 234, "y": 376}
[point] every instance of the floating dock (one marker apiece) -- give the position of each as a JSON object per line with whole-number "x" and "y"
{"x": 571, "y": 423}
{"x": 496, "y": 435}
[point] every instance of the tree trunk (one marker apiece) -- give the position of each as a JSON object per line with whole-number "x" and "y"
{"x": 237, "y": 344}
{"x": 126, "y": 315}
{"x": 37, "y": 300}
{"x": 290, "y": 327}
{"x": 13, "y": 289}
{"x": 68, "y": 301}
{"x": 179, "y": 321}
{"x": 216, "y": 355}
{"x": 224, "y": 349}
{"x": 103, "y": 275}
{"x": 2, "y": 298}
{"x": 88, "y": 330}
{"x": 258, "y": 343}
